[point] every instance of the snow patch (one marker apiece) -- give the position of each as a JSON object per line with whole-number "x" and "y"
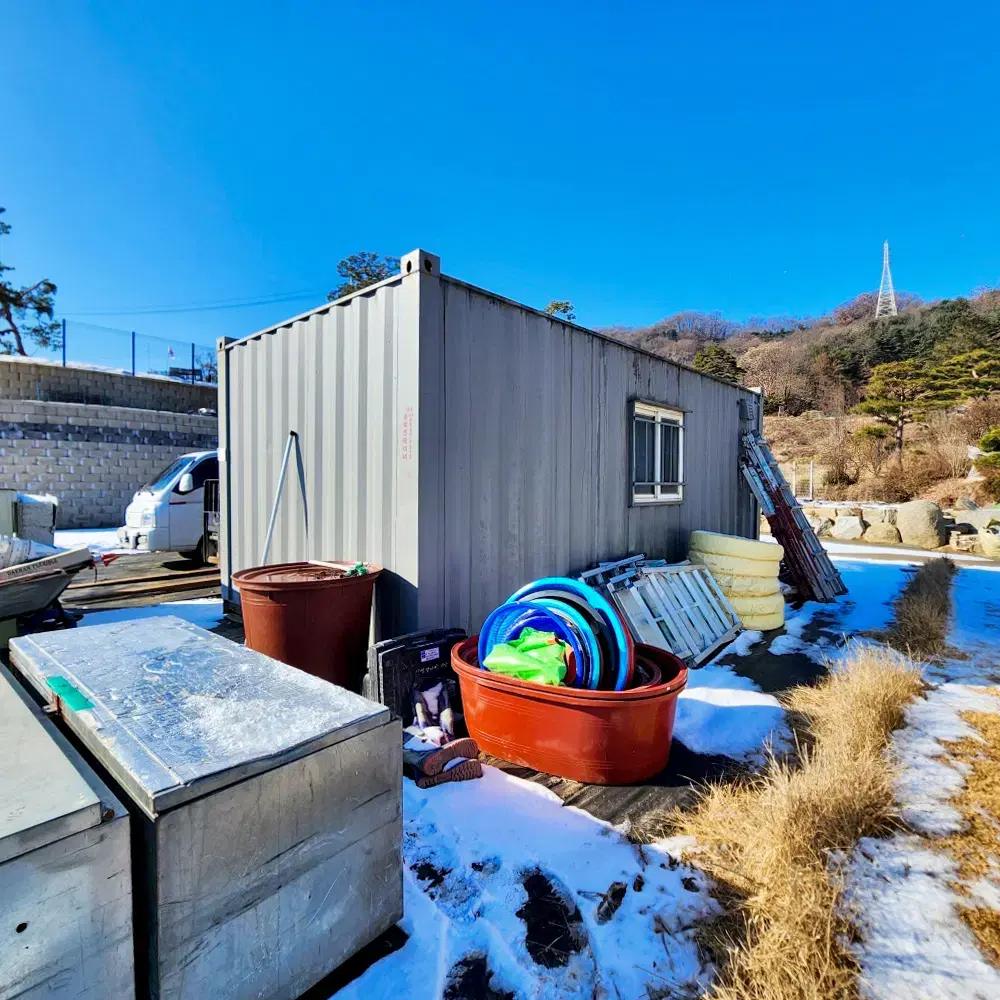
{"x": 205, "y": 612}
{"x": 928, "y": 778}
{"x": 96, "y": 539}
{"x": 790, "y": 641}
{"x": 720, "y": 712}
{"x": 733, "y": 721}
{"x": 899, "y": 891}
{"x": 473, "y": 853}
{"x": 915, "y": 945}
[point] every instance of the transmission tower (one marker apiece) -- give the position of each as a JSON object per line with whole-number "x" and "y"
{"x": 886, "y": 305}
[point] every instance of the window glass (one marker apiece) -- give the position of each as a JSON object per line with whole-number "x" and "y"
{"x": 207, "y": 468}
{"x": 645, "y": 456}
{"x": 175, "y": 468}
{"x": 657, "y": 454}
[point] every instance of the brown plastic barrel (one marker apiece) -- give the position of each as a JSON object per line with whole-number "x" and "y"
{"x": 311, "y": 616}
{"x": 599, "y": 737}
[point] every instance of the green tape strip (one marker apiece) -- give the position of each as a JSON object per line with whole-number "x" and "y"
{"x": 71, "y": 696}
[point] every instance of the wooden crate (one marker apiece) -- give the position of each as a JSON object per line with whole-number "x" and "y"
{"x": 268, "y": 803}
{"x": 65, "y": 871}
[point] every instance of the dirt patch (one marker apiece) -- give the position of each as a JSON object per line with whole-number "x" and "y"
{"x": 426, "y": 872}
{"x": 554, "y": 927}
{"x": 774, "y": 674}
{"x": 611, "y": 901}
{"x": 472, "y": 979}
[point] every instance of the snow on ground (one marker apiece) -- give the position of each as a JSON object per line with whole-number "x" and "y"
{"x": 205, "y": 612}
{"x": 500, "y": 869}
{"x": 915, "y": 944}
{"x": 720, "y": 712}
{"x": 901, "y": 889}
{"x": 866, "y": 607}
{"x": 905, "y": 555}
{"x": 97, "y": 539}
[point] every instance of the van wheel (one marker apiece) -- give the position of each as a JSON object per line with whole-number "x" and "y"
{"x": 196, "y": 556}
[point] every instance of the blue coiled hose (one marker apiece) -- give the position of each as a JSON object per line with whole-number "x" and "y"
{"x": 509, "y": 620}
{"x": 555, "y": 585}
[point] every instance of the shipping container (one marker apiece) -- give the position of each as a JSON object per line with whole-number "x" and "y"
{"x": 468, "y": 444}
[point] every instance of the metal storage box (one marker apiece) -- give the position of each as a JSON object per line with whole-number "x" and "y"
{"x": 268, "y": 820}
{"x": 65, "y": 874}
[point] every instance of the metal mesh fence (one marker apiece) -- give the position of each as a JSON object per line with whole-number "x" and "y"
{"x": 130, "y": 353}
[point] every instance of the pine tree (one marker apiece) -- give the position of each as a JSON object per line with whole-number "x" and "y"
{"x": 360, "y": 270}
{"x": 26, "y": 312}
{"x": 974, "y": 374}
{"x": 717, "y": 361}
{"x": 562, "y": 308}
{"x": 900, "y": 392}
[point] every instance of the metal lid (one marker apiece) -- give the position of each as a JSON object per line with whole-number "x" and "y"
{"x": 175, "y": 712}
{"x": 43, "y": 797}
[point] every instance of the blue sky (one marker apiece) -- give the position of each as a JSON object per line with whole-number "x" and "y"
{"x": 635, "y": 158}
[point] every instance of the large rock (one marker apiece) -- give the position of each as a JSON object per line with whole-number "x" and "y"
{"x": 847, "y": 528}
{"x": 980, "y": 518}
{"x": 920, "y": 523}
{"x": 882, "y": 533}
{"x": 823, "y": 527}
{"x": 848, "y": 512}
{"x": 878, "y": 515}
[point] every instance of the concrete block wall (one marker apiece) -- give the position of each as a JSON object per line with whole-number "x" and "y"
{"x": 49, "y": 382}
{"x": 93, "y": 458}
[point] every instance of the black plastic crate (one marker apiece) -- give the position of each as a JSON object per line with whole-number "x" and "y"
{"x": 396, "y": 665}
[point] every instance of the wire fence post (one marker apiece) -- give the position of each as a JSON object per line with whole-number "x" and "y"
{"x": 133, "y": 352}
{"x": 192, "y": 362}
{"x": 64, "y": 342}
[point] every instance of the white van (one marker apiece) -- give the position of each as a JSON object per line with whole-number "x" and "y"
{"x": 168, "y": 514}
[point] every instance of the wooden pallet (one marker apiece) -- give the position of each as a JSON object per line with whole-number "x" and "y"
{"x": 805, "y": 558}
{"x": 677, "y": 607}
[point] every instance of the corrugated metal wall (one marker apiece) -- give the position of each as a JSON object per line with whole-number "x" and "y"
{"x": 338, "y": 377}
{"x": 516, "y": 423}
{"x": 536, "y": 452}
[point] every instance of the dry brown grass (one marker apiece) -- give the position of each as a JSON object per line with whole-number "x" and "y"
{"x": 772, "y": 843}
{"x": 922, "y": 611}
{"x": 985, "y": 924}
{"x": 976, "y": 848}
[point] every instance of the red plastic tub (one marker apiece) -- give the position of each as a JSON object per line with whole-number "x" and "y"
{"x": 599, "y": 737}
{"x": 311, "y": 616}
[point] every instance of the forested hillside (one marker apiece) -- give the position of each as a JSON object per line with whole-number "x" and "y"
{"x": 886, "y": 409}
{"x": 824, "y": 364}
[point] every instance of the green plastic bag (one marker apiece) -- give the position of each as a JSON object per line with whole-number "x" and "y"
{"x": 533, "y": 656}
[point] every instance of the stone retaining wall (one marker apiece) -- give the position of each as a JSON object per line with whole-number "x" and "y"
{"x": 916, "y": 524}
{"x": 93, "y": 458}
{"x": 47, "y": 382}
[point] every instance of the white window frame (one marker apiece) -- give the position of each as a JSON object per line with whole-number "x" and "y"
{"x": 660, "y": 415}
